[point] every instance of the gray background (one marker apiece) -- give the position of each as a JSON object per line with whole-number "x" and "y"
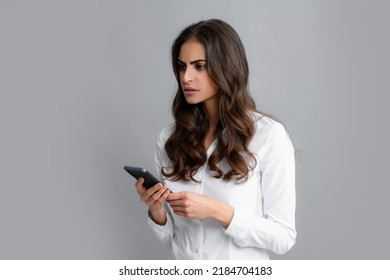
{"x": 86, "y": 86}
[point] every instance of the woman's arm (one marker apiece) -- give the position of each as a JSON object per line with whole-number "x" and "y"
{"x": 193, "y": 205}
{"x": 154, "y": 198}
{"x": 159, "y": 219}
{"x": 275, "y": 230}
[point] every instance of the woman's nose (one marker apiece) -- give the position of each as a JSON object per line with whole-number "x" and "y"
{"x": 187, "y": 75}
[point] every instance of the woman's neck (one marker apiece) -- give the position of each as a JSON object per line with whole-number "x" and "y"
{"x": 213, "y": 116}
{"x": 212, "y": 110}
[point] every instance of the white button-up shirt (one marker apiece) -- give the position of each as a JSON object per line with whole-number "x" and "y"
{"x": 264, "y": 206}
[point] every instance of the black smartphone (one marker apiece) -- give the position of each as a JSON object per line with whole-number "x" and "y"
{"x": 138, "y": 172}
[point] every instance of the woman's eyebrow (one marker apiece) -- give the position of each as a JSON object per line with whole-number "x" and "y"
{"x": 192, "y": 62}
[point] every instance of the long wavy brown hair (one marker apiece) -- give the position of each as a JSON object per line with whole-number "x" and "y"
{"x": 227, "y": 65}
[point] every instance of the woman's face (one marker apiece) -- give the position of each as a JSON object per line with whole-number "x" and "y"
{"x": 196, "y": 83}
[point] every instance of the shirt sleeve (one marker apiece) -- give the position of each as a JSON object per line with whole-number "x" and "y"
{"x": 275, "y": 230}
{"x": 164, "y": 233}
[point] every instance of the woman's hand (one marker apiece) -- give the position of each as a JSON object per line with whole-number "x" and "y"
{"x": 154, "y": 198}
{"x": 193, "y": 205}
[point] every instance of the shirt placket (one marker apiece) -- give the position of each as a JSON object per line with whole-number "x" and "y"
{"x": 200, "y": 226}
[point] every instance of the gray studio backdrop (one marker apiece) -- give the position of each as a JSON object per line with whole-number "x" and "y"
{"x": 86, "y": 87}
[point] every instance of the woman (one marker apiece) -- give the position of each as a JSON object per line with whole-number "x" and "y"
{"x": 229, "y": 169}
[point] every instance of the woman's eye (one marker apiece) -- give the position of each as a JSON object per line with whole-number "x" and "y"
{"x": 201, "y": 66}
{"x": 181, "y": 66}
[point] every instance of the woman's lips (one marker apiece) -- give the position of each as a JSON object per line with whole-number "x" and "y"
{"x": 189, "y": 90}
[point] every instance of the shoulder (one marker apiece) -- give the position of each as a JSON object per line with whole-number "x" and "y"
{"x": 269, "y": 132}
{"x": 164, "y": 134}
{"x": 266, "y": 125}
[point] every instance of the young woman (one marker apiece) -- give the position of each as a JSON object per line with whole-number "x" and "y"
{"x": 230, "y": 170}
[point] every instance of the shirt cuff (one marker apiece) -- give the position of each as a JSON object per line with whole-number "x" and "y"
{"x": 238, "y": 227}
{"x": 161, "y": 230}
